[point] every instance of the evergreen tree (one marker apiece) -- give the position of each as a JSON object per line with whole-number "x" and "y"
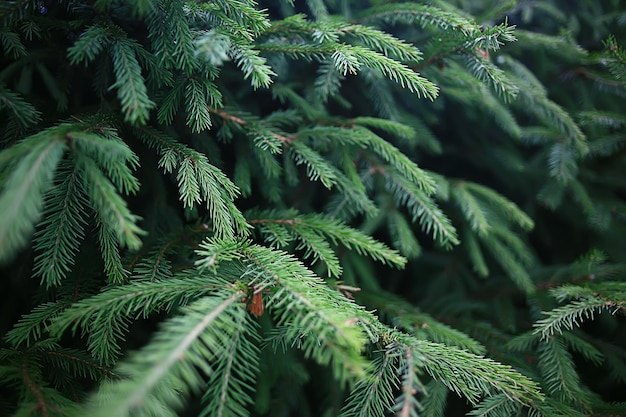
{"x": 351, "y": 208}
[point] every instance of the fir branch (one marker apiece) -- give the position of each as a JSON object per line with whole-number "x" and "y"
{"x": 37, "y": 396}
{"x": 156, "y": 264}
{"x": 392, "y": 155}
{"x": 412, "y": 320}
{"x": 494, "y": 406}
{"x": 550, "y": 113}
{"x": 242, "y": 122}
{"x": 110, "y": 152}
{"x": 491, "y": 37}
{"x": 502, "y": 246}
{"x": 75, "y": 362}
{"x": 348, "y": 58}
{"x": 381, "y": 95}
{"x": 138, "y": 8}
{"x": 434, "y": 403}
{"x": 392, "y": 127}
{"x": 498, "y": 202}
{"x": 318, "y": 9}
{"x": 212, "y": 46}
{"x": 12, "y": 12}
{"x": 472, "y": 209}
{"x": 108, "y": 242}
{"x": 562, "y": 163}
{"x": 616, "y": 62}
{"x": 239, "y": 14}
{"x": 563, "y": 45}
{"x": 328, "y": 81}
{"x": 352, "y": 200}
{"x": 169, "y": 105}
{"x": 475, "y": 253}
{"x": 576, "y": 343}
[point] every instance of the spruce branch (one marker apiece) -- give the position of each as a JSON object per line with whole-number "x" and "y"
{"x": 422, "y": 208}
{"x": 62, "y": 230}
{"x": 90, "y": 44}
{"x": 374, "y": 395}
{"x": 409, "y": 13}
{"x": 234, "y": 375}
{"x": 412, "y": 320}
{"x": 112, "y": 210}
{"x": 130, "y": 84}
{"x": 239, "y": 14}
{"x": 349, "y": 58}
{"x": 171, "y": 36}
{"x": 33, "y": 326}
{"x": 471, "y": 375}
{"x": 198, "y": 181}
{"x": 485, "y": 71}
{"x": 110, "y": 152}
{"x": 571, "y": 315}
{"x": 318, "y": 169}
{"x": 252, "y": 64}
{"x": 407, "y": 403}
{"x": 314, "y": 231}
{"x": 557, "y": 367}
{"x": 402, "y": 237}
{"x": 383, "y": 42}
{"x": 434, "y": 403}
{"x": 497, "y": 405}
{"x": 19, "y": 109}
{"x": 105, "y": 316}
{"x": 309, "y": 315}
{"x": 616, "y": 62}
{"x": 21, "y": 200}
{"x": 158, "y": 375}
{"x": 108, "y": 241}
{"x": 199, "y": 93}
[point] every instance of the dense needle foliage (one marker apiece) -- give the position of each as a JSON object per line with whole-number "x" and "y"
{"x": 313, "y": 208}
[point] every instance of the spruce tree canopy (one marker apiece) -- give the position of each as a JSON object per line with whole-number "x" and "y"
{"x": 313, "y": 208}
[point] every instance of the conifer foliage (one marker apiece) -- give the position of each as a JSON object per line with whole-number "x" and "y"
{"x": 337, "y": 208}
